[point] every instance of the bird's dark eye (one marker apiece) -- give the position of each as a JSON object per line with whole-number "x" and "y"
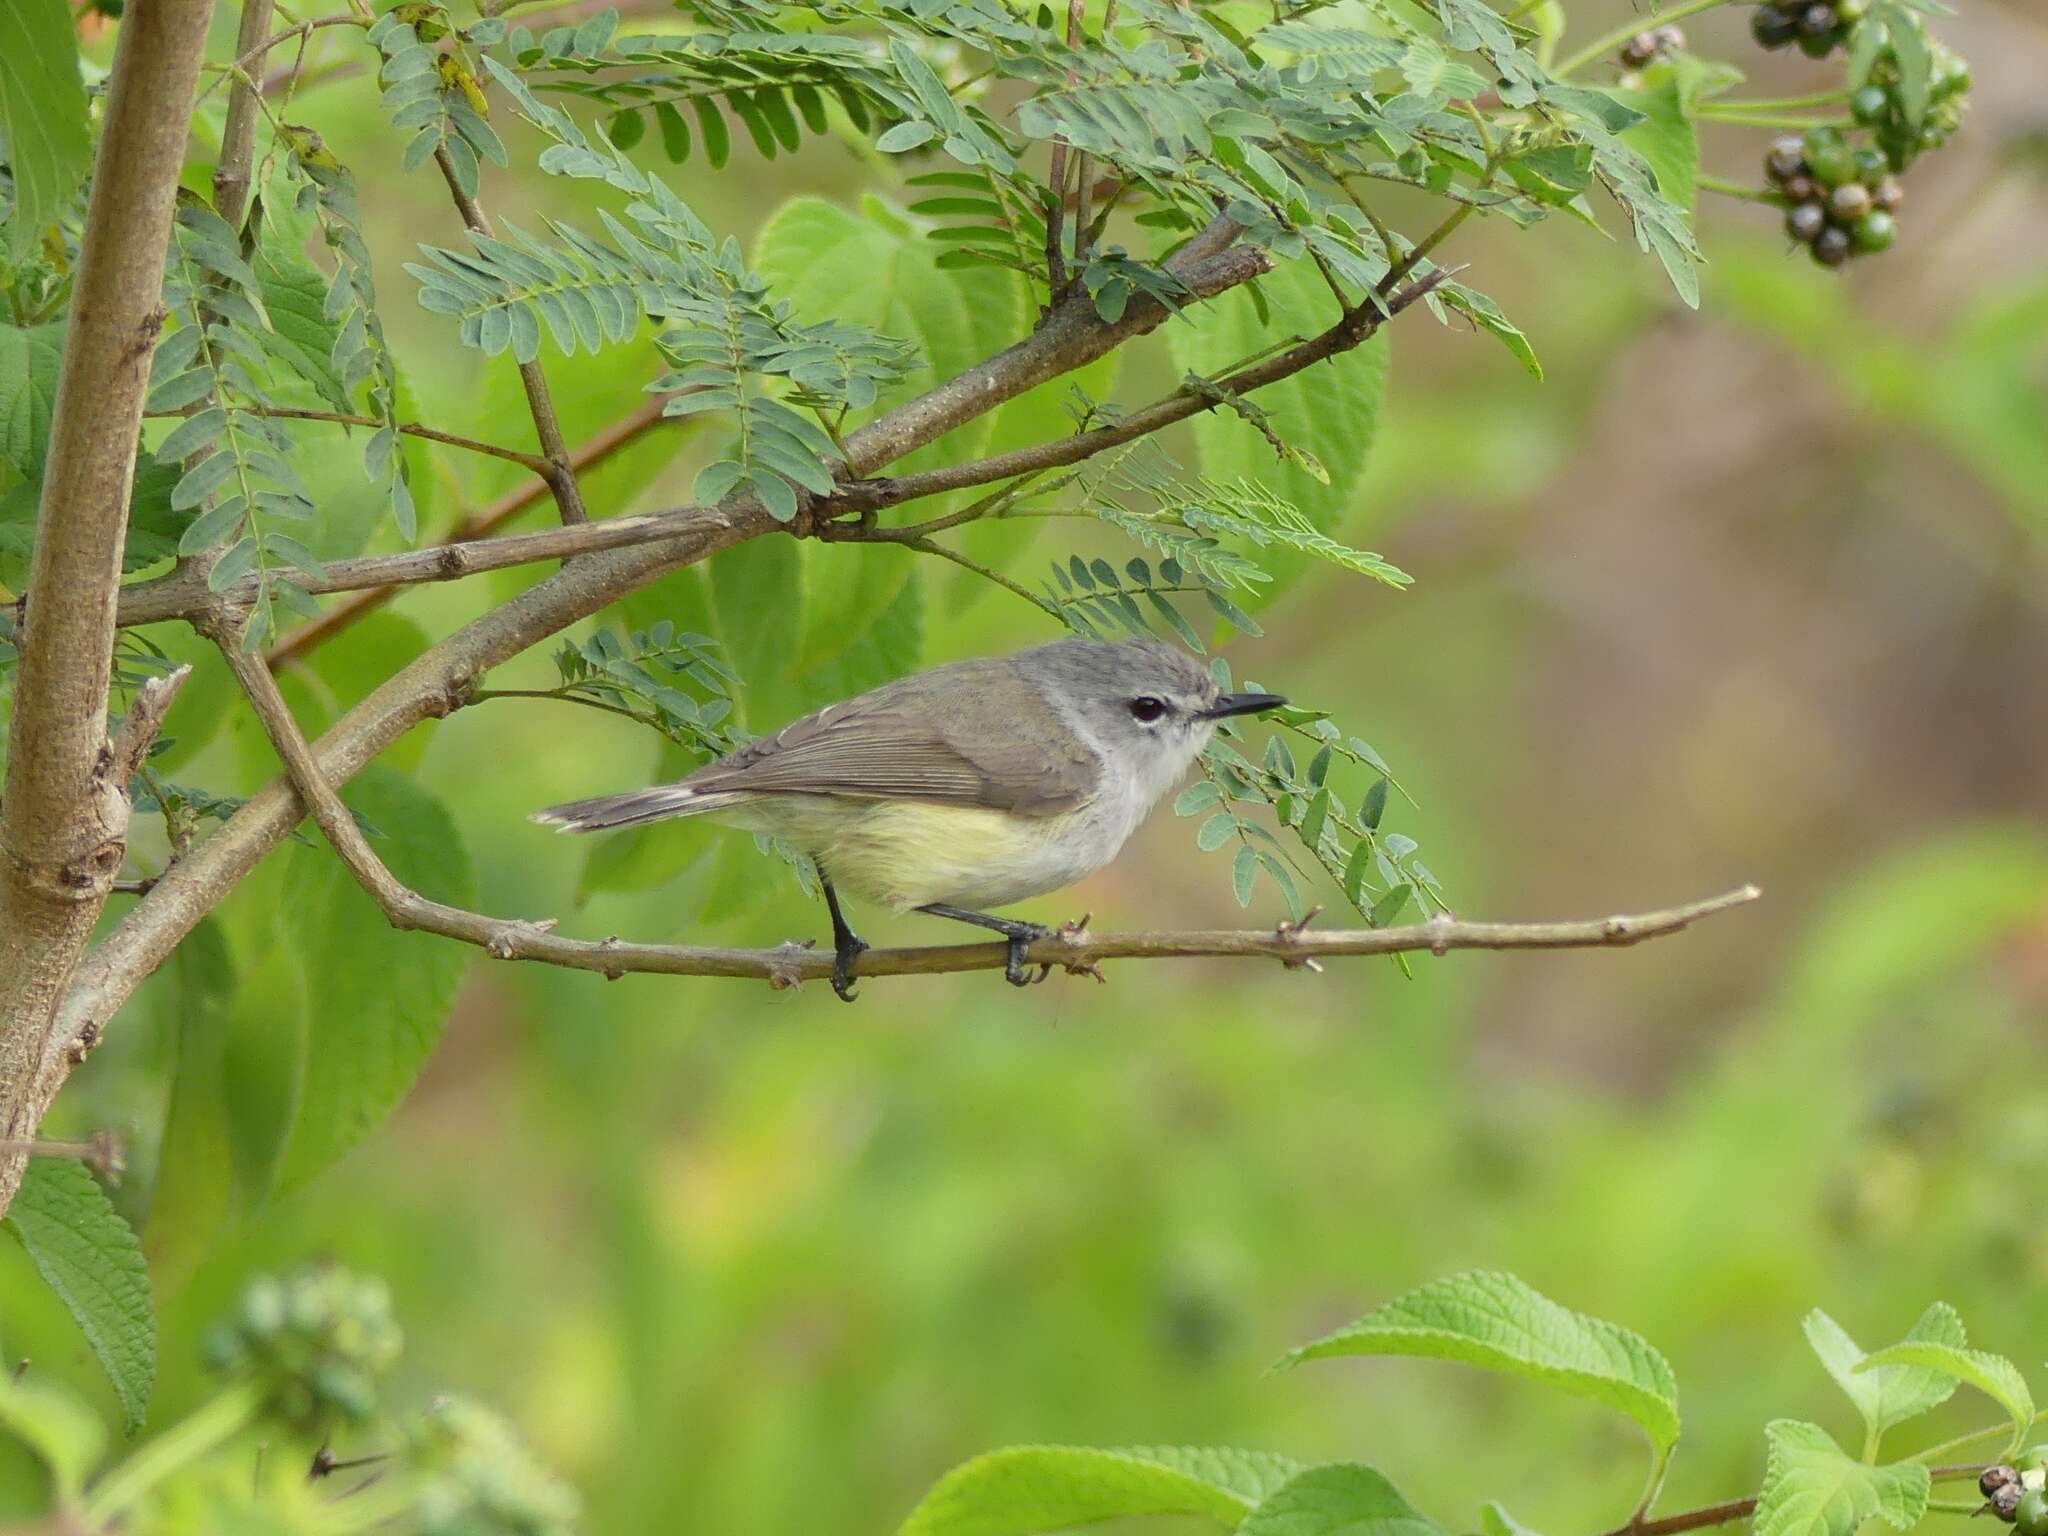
{"x": 1145, "y": 709}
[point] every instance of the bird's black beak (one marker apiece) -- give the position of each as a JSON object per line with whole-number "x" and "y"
{"x": 1241, "y": 704}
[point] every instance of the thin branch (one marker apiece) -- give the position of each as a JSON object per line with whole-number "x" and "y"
{"x": 930, "y": 547}
{"x": 102, "y": 1152}
{"x": 547, "y": 427}
{"x": 64, "y": 816}
{"x": 1731, "y": 1510}
{"x": 1073, "y": 330}
{"x": 238, "y": 135}
{"x": 480, "y": 524}
{"x": 519, "y": 456}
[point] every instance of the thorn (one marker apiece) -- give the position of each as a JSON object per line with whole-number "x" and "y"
{"x": 783, "y": 972}
{"x": 503, "y": 943}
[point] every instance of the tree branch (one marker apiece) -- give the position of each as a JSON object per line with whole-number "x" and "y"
{"x": 547, "y": 427}
{"x": 519, "y": 456}
{"x": 238, "y": 135}
{"x": 438, "y": 681}
{"x": 1732, "y": 1510}
{"x": 480, "y": 524}
{"x": 64, "y": 817}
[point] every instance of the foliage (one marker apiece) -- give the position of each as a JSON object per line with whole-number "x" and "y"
{"x": 1810, "y": 1487}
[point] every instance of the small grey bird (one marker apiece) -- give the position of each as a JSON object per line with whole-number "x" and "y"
{"x": 971, "y": 785}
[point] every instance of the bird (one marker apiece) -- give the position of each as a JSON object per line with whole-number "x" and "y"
{"x": 970, "y": 785}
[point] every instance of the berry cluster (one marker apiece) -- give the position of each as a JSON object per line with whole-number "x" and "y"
{"x": 1817, "y": 26}
{"x": 317, "y": 1344}
{"x": 480, "y": 1479}
{"x": 1880, "y": 106}
{"x": 1840, "y": 200}
{"x": 1644, "y": 47}
{"x": 2016, "y": 1497}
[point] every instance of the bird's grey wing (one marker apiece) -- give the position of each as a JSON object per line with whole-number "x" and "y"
{"x": 894, "y": 744}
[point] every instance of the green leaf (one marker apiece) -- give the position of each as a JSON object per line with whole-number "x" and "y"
{"x": 1666, "y": 138}
{"x": 62, "y": 1431}
{"x": 835, "y": 265}
{"x": 42, "y": 115}
{"x": 1494, "y": 1520}
{"x": 1891, "y": 1394}
{"x": 195, "y": 1184}
{"x": 1993, "y": 1375}
{"x": 29, "y": 360}
{"x": 1330, "y": 411}
{"x": 1032, "y": 1488}
{"x": 1495, "y": 1320}
{"x": 1342, "y": 1499}
{"x": 90, "y": 1256}
{"x": 1812, "y": 1488}
{"x": 301, "y": 336}
{"x": 376, "y": 998}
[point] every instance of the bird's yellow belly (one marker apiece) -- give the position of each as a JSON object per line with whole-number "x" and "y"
{"x": 906, "y": 854}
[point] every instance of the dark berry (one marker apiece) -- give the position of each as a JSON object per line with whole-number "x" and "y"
{"x": 1995, "y": 1477}
{"x": 1818, "y": 20}
{"x": 1772, "y": 27}
{"x": 1670, "y": 39}
{"x": 1805, "y": 221}
{"x": 1849, "y": 202}
{"x": 1888, "y": 194}
{"x": 1786, "y": 158}
{"x": 1639, "y": 50}
{"x": 1817, "y": 45}
{"x": 1874, "y": 232}
{"x": 1801, "y": 188}
{"x": 2005, "y": 1500}
{"x": 1870, "y": 104}
{"x": 2032, "y": 1515}
{"x": 1831, "y": 246}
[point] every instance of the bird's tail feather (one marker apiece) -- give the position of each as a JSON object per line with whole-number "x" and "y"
{"x": 633, "y": 809}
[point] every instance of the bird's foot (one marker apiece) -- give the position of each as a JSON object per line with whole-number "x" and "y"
{"x": 845, "y": 950}
{"x": 1021, "y": 936}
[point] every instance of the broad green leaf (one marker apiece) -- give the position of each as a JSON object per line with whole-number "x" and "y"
{"x": 1494, "y": 1520}
{"x": 376, "y": 998}
{"x": 1666, "y": 138}
{"x": 757, "y": 598}
{"x": 1330, "y": 411}
{"x": 1034, "y": 1488}
{"x": 62, "y": 1431}
{"x": 195, "y": 1187}
{"x": 1993, "y": 1375}
{"x": 1890, "y": 1394}
{"x": 889, "y": 648}
{"x": 1496, "y": 1321}
{"x": 90, "y": 1256}
{"x": 872, "y": 269}
{"x": 42, "y": 115}
{"x": 1337, "y": 1500}
{"x": 1813, "y": 1488}
{"x": 29, "y": 360}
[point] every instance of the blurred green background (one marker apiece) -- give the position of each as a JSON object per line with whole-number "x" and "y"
{"x": 1750, "y": 594}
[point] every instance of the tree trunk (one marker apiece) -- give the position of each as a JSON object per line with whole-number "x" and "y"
{"x": 64, "y": 814}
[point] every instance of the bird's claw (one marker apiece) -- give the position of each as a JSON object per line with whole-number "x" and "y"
{"x": 1015, "y": 967}
{"x": 843, "y": 956}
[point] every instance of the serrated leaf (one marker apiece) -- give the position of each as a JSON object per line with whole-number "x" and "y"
{"x": 1890, "y": 1394}
{"x": 42, "y": 116}
{"x": 29, "y": 362}
{"x": 1993, "y": 1375}
{"x": 1342, "y": 1499}
{"x": 1028, "y": 1489}
{"x": 377, "y": 998}
{"x": 90, "y": 1256}
{"x": 1497, "y": 1321}
{"x": 1812, "y": 1488}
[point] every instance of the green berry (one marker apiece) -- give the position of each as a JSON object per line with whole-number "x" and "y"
{"x": 1831, "y": 246}
{"x": 1848, "y": 12}
{"x": 2033, "y": 1456}
{"x": 1869, "y": 165}
{"x": 1870, "y": 104}
{"x": 1804, "y": 222}
{"x": 2032, "y": 1515}
{"x": 1953, "y": 79}
{"x": 1817, "y": 45}
{"x": 1830, "y": 161}
{"x": 1871, "y": 233}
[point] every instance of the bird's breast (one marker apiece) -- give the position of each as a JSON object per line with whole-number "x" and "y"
{"x": 904, "y": 854}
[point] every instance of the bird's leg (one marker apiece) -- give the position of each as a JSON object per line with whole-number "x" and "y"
{"x": 1018, "y": 933}
{"x": 846, "y": 944}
